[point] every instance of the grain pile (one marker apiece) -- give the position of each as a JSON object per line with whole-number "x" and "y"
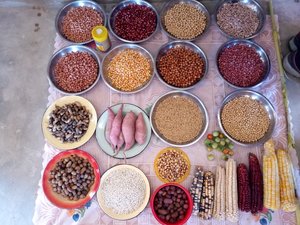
{"x": 245, "y": 119}
{"x": 78, "y": 23}
{"x": 237, "y": 20}
{"x": 129, "y": 70}
{"x": 185, "y": 21}
{"x": 178, "y": 119}
{"x": 123, "y": 191}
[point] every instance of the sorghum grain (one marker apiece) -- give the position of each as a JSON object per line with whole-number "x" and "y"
{"x": 245, "y": 119}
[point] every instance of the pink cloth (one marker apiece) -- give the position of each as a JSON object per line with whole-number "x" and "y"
{"x": 211, "y": 90}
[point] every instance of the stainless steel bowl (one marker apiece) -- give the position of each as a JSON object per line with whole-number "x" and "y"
{"x": 265, "y": 103}
{"x": 175, "y": 94}
{"x": 81, "y": 3}
{"x": 254, "y": 5}
{"x": 194, "y": 3}
{"x": 112, "y": 53}
{"x": 259, "y": 50}
{"x": 60, "y": 54}
{"x": 123, "y": 4}
{"x": 166, "y": 47}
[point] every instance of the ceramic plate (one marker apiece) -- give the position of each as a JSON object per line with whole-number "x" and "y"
{"x": 63, "y": 101}
{"x": 108, "y": 211}
{"x": 100, "y": 132}
{"x": 60, "y": 201}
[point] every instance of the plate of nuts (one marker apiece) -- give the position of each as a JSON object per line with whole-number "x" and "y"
{"x": 69, "y": 122}
{"x": 172, "y": 165}
{"x": 71, "y": 179}
{"x": 171, "y": 203}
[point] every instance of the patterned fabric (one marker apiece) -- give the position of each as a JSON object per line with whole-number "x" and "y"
{"x": 211, "y": 90}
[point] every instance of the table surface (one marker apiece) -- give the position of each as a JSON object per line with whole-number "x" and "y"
{"x": 211, "y": 91}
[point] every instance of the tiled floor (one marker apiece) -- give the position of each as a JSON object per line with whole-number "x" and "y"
{"x": 26, "y": 44}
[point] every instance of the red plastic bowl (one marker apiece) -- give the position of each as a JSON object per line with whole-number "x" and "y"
{"x": 60, "y": 201}
{"x": 189, "y": 210}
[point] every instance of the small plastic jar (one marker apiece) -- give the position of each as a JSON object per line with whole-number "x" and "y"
{"x": 101, "y": 38}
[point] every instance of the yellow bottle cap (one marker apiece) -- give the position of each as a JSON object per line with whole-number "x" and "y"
{"x": 100, "y": 33}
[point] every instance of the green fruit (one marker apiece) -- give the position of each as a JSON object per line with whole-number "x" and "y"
{"x": 230, "y": 146}
{"x": 217, "y": 139}
{"x": 214, "y": 145}
{"x": 210, "y": 157}
{"x": 215, "y": 133}
{"x": 223, "y": 143}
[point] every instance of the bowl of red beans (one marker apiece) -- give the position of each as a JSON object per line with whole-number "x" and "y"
{"x": 74, "y": 70}
{"x": 243, "y": 63}
{"x": 75, "y": 21}
{"x": 133, "y": 21}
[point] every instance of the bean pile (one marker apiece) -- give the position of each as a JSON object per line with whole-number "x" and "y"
{"x": 185, "y": 21}
{"x": 171, "y": 204}
{"x": 76, "y": 72}
{"x": 241, "y": 65}
{"x": 78, "y": 23}
{"x": 129, "y": 70}
{"x": 70, "y": 122}
{"x": 245, "y": 119}
{"x": 172, "y": 165}
{"x": 178, "y": 119}
{"x": 181, "y": 67}
{"x": 135, "y": 22}
{"x": 72, "y": 177}
{"x": 237, "y": 20}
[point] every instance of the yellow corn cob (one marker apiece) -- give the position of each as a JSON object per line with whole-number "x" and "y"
{"x": 287, "y": 188}
{"x": 271, "y": 177}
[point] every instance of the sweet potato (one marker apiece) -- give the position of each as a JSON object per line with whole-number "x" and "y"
{"x": 140, "y": 129}
{"x": 116, "y": 128}
{"x": 110, "y": 119}
{"x": 128, "y": 129}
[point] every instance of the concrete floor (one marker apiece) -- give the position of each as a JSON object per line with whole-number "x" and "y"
{"x": 26, "y": 44}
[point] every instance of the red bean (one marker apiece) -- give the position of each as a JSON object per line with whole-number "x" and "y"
{"x": 241, "y": 65}
{"x": 135, "y": 22}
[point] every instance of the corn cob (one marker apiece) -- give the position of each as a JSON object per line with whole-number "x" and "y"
{"x": 256, "y": 184}
{"x": 231, "y": 191}
{"x": 196, "y": 190}
{"x": 219, "y": 200}
{"x": 244, "y": 191}
{"x": 207, "y": 198}
{"x": 287, "y": 187}
{"x": 271, "y": 177}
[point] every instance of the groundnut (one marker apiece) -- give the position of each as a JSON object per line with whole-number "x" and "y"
{"x": 78, "y": 23}
{"x": 75, "y": 72}
{"x": 166, "y": 208}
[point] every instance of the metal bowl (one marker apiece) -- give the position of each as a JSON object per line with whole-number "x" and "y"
{"x": 192, "y": 97}
{"x": 166, "y": 47}
{"x": 259, "y": 50}
{"x": 254, "y": 5}
{"x": 265, "y": 103}
{"x": 81, "y": 3}
{"x": 112, "y": 53}
{"x": 122, "y": 5}
{"x": 62, "y": 53}
{"x": 194, "y": 3}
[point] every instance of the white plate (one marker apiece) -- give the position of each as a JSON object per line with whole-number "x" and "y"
{"x": 109, "y": 211}
{"x": 100, "y": 132}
